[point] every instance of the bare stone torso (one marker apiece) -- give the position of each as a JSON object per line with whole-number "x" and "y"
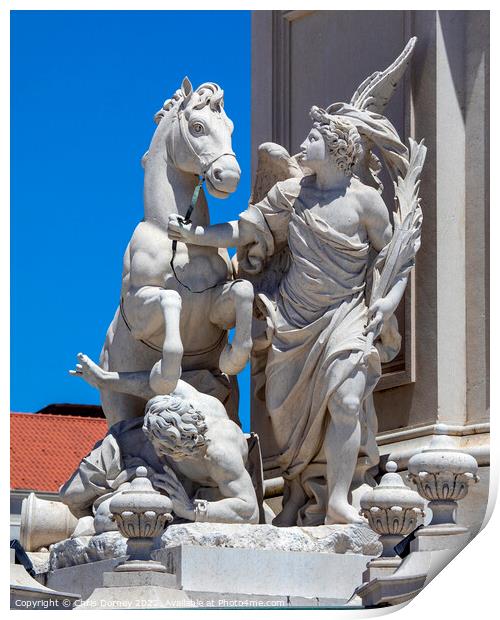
{"x": 199, "y": 268}
{"x": 341, "y": 210}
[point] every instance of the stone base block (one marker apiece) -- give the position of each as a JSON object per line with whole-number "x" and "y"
{"x": 381, "y": 567}
{"x": 392, "y": 590}
{"x": 132, "y": 579}
{"x": 136, "y": 597}
{"x": 428, "y": 562}
{"x": 322, "y": 565}
{"x": 225, "y": 600}
{"x": 82, "y": 579}
{"x": 359, "y": 539}
{"x": 27, "y": 593}
{"x": 265, "y": 572}
{"x": 415, "y": 571}
{"x": 439, "y": 537}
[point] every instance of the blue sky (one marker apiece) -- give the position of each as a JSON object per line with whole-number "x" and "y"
{"x": 84, "y": 88}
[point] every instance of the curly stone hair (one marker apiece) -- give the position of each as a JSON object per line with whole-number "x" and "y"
{"x": 174, "y": 426}
{"x": 341, "y": 137}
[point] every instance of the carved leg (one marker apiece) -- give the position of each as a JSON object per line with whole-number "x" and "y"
{"x": 167, "y": 371}
{"x": 293, "y": 499}
{"x": 341, "y": 446}
{"x": 151, "y": 310}
{"x": 233, "y": 308}
{"x": 122, "y": 352}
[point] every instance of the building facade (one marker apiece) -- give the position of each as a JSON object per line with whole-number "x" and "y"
{"x": 441, "y": 377}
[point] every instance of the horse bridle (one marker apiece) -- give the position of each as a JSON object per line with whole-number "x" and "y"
{"x": 204, "y": 167}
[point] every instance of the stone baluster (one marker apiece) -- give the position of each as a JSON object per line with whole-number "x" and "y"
{"x": 141, "y": 513}
{"x": 442, "y": 475}
{"x": 393, "y": 511}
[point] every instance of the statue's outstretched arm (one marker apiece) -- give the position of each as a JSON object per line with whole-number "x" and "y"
{"x": 144, "y": 383}
{"x": 227, "y": 235}
{"x": 134, "y": 383}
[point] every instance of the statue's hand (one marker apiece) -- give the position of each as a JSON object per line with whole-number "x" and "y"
{"x": 378, "y": 313}
{"x": 177, "y": 230}
{"x": 89, "y": 370}
{"x": 181, "y": 504}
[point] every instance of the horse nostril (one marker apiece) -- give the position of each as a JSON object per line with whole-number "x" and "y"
{"x": 225, "y": 174}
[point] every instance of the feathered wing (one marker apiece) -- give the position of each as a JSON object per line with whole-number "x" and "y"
{"x": 374, "y": 93}
{"x": 366, "y": 109}
{"x": 274, "y": 164}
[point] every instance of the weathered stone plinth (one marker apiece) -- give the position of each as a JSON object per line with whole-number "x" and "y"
{"x": 340, "y": 539}
{"x": 321, "y": 563}
{"x": 265, "y": 572}
{"x": 137, "y": 590}
{"x": 86, "y": 549}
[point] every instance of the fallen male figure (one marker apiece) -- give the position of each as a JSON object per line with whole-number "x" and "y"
{"x": 192, "y": 450}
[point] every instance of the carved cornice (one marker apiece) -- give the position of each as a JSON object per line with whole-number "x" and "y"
{"x": 457, "y": 430}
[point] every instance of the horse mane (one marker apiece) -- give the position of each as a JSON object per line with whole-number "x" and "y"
{"x": 208, "y": 93}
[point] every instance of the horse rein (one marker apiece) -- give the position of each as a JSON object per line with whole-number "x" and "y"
{"x": 194, "y": 200}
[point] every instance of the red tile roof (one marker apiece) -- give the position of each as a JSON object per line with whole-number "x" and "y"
{"x": 46, "y": 449}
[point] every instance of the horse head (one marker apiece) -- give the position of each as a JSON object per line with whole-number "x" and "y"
{"x": 197, "y": 136}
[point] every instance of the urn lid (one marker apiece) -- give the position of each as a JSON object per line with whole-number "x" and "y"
{"x": 391, "y": 492}
{"x": 442, "y": 455}
{"x": 140, "y": 497}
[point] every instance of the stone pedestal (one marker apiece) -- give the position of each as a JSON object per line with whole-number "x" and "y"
{"x": 137, "y": 590}
{"x": 440, "y": 537}
{"x": 141, "y": 514}
{"x": 81, "y": 578}
{"x": 442, "y": 475}
{"x": 265, "y": 572}
{"x": 393, "y": 510}
{"x": 393, "y": 590}
{"x": 381, "y": 567}
{"x": 230, "y": 564}
{"x": 28, "y": 593}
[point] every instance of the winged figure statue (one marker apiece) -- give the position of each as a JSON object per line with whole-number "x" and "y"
{"x": 329, "y": 269}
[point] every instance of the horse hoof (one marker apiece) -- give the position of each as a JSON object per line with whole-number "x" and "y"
{"x": 233, "y": 359}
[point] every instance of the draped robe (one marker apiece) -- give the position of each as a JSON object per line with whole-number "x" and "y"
{"x": 317, "y": 315}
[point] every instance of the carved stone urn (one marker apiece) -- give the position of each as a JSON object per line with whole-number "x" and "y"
{"x": 141, "y": 513}
{"x": 392, "y": 510}
{"x": 442, "y": 475}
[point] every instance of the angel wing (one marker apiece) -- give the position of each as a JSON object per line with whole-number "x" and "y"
{"x": 374, "y": 93}
{"x": 274, "y": 164}
{"x": 365, "y": 110}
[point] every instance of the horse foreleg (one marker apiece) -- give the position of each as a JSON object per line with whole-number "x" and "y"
{"x": 167, "y": 371}
{"x": 233, "y": 308}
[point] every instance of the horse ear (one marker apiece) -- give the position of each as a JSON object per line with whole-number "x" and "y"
{"x": 187, "y": 88}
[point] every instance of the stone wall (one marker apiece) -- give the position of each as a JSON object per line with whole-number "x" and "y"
{"x": 301, "y": 58}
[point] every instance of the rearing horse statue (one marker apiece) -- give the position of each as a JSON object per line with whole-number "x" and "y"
{"x": 178, "y": 304}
